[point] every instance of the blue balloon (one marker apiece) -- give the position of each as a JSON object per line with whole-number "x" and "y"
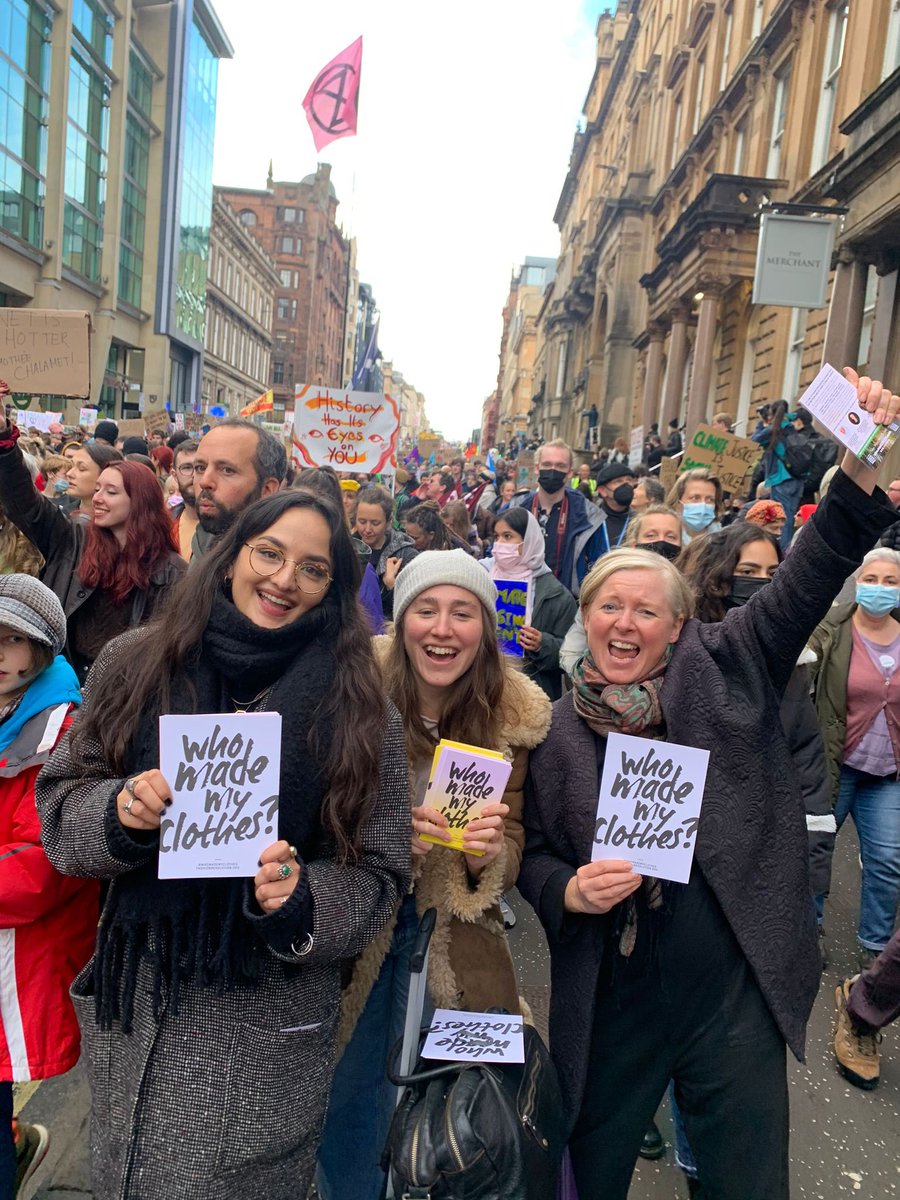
{"x": 217, "y": 411}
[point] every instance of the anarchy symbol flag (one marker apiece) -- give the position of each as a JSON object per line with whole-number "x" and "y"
{"x": 331, "y": 102}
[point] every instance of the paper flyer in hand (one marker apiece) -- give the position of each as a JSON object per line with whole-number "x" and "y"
{"x": 224, "y": 771}
{"x": 649, "y": 809}
{"x": 475, "y": 1037}
{"x": 463, "y": 781}
{"x": 833, "y": 402}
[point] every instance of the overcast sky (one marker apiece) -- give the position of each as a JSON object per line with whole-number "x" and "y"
{"x": 464, "y": 137}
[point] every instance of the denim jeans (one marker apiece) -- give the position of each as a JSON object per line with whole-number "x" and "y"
{"x": 683, "y": 1154}
{"x": 874, "y": 804}
{"x": 788, "y": 495}
{"x": 362, "y": 1099}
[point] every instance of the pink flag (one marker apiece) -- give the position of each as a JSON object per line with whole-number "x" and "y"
{"x": 331, "y": 102}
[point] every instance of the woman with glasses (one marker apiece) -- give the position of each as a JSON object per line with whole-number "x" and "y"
{"x": 209, "y": 1011}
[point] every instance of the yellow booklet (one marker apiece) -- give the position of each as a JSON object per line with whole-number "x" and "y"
{"x": 463, "y": 781}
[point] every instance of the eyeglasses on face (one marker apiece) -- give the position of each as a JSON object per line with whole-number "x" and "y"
{"x": 185, "y": 468}
{"x": 310, "y": 577}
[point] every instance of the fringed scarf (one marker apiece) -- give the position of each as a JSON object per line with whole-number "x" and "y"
{"x": 190, "y": 930}
{"x": 635, "y": 709}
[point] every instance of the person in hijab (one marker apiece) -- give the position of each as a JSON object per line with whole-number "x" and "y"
{"x": 519, "y": 555}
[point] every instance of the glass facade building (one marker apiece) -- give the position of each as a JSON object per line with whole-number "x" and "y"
{"x": 201, "y": 79}
{"x": 134, "y": 184}
{"x": 24, "y": 83}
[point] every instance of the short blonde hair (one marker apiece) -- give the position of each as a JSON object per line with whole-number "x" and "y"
{"x": 652, "y": 510}
{"x": 704, "y": 475}
{"x": 681, "y": 598}
{"x": 555, "y": 444}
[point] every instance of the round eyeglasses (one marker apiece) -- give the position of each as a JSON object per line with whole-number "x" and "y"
{"x": 310, "y": 577}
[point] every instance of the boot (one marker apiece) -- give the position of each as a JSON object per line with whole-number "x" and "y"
{"x": 856, "y": 1052}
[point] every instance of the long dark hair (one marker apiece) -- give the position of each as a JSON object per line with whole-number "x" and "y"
{"x": 709, "y": 563}
{"x": 101, "y": 454}
{"x": 427, "y": 516}
{"x": 355, "y": 709}
{"x": 779, "y": 409}
{"x": 149, "y": 538}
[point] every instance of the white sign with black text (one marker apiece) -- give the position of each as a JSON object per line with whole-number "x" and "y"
{"x": 475, "y": 1037}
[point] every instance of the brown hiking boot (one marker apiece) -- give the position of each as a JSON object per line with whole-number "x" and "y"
{"x": 856, "y": 1053}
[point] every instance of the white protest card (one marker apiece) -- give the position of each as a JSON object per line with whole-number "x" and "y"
{"x": 464, "y": 780}
{"x": 832, "y": 400}
{"x": 475, "y": 1037}
{"x": 224, "y": 771}
{"x": 649, "y": 809}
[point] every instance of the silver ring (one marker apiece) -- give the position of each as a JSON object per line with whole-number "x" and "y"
{"x": 126, "y": 807}
{"x": 130, "y": 784}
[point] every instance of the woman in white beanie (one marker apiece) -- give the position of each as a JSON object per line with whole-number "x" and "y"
{"x": 445, "y": 673}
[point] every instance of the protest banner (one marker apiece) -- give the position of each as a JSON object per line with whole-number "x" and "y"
{"x": 427, "y": 444}
{"x": 346, "y": 430}
{"x": 668, "y": 472}
{"x": 87, "y": 416}
{"x": 525, "y": 477}
{"x": 832, "y": 400}
{"x": 464, "y": 779}
{"x": 178, "y": 421}
{"x": 224, "y": 771}
{"x": 649, "y": 808}
{"x": 731, "y": 459}
{"x": 157, "y": 421}
{"x": 474, "y": 1037}
{"x": 131, "y": 427}
{"x": 636, "y": 451}
{"x": 46, "y": 351}
{"x": 513, "y": 611}
{"x": 194, "y": 422}
{"x": 38, "y": 420}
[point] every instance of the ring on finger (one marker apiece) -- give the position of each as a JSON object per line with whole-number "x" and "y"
{"x": 284, "y": 871}
{"x": 126, "y": 807}
{"x": 130, "y": 784}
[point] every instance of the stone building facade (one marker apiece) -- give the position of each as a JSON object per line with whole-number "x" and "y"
{"x": 515, "y": 382}
{"x": 698, "y": 114}
{"x": 240, "y": 300}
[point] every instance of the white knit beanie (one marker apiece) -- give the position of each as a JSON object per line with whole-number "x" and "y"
{"x": 434, "y": 567}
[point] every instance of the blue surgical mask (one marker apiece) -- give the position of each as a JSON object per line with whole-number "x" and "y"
{"x": 877, "y": 599}
{"x": 698, "y": 516}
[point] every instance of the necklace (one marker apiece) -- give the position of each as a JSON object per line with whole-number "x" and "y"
{"x": 242, "y": 707}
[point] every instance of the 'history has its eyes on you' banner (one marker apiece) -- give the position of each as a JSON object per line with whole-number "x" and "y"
{"x": 350, "y": 431}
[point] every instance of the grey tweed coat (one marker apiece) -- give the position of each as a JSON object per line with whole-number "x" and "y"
{"x": 227, "y": 1099}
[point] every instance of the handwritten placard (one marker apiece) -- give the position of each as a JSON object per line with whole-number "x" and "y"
{"x": 636, "y": 449}
{"x": 731, "y": 459}
{"x": 351, "y": 431}
{"x": 463, "y": 781}
{"x": 46, "y": 351}
{"x": 87, "y": 417}
{"x": 224, "y": 772}
{"x": 157, "y": 420}
{"x": 475, "y": 1037}
{"x": 650, "y": 798}
{"x": 513, "y": 611}
{"x": 39, "y": 420}
{"x": 832, "y": 400}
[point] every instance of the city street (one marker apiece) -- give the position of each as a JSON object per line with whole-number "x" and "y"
{"x": 845, "y": 1142}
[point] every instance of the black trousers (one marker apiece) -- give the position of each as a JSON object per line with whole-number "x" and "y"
{"x": 688, "y": 1009}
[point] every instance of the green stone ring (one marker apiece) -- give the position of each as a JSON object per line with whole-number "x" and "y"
{"x": 284, "y": 871}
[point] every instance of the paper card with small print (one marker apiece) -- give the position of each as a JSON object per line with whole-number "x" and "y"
{"x": 463, "y": 781}
{"x": 475, "y": 1037}
{"x": 649, "y": 810}
{"x": 832, "y": 400}
{"x": 224, "y": 771}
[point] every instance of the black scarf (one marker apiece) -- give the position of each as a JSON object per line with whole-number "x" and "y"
{"x": 195, "y": 929}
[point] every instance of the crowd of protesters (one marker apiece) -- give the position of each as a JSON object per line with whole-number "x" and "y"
{"x": 249, "y": 1023}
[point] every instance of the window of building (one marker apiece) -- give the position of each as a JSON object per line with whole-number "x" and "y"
{"x": 287, "y": 215}
{"x": 561, "y": 366}
{"x": 727, "y": 33}
{"x": 277, "y": 371}
{"x": 779, "y": 120}
{"x": 794, "y": 364}
{"x": 699, "y": 84}
{"x": 134, "y": 184}
{"x": 220, "y": 266}
{"x": 286, "y": 309}
{"x": 739, "y": 145}
{"x": 676, "y": 131}
{"x": 87, "y": 137}
{"x": 757, "y": 19}
{"x": 24, "y": 82}
{"x": 285, "y": 278}
{"x": 244, "y": 294}
{"x": 287, "y": 245}
{"x": 831, "y": 70}
{"x": 868, "y": 321}
{"x": 892, "y": 42}
{"x": 247, "y": 216}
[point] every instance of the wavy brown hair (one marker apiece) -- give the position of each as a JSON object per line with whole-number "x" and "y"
{"x": 471, "y": 711}
{"x": 355, "y": 707}
{"x": 709, "y": 563}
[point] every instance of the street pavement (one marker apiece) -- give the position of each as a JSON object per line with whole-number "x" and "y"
{"x": 844, "y": 1142}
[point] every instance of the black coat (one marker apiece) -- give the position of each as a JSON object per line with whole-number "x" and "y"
{"x": 553, "y": 613}
{"x": 722, "y": 692}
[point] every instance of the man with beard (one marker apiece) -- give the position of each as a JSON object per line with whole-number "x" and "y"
{"x": 236, "y": 463}
{"x": 186, "y": 519}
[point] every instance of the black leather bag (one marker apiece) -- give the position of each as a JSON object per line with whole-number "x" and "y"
{"x": 484, "y": 1131}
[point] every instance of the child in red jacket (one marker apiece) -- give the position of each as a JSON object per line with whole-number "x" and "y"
{"x": 47, "y": 922}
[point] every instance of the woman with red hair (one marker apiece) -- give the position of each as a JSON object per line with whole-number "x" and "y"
{"x": 109, "y": 574}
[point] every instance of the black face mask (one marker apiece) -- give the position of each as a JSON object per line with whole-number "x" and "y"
{"x": 623, "y": 495}
{"x": 551, "y": 481}
{"x": 666, "y": 549}
{"x": 743, "y": 588}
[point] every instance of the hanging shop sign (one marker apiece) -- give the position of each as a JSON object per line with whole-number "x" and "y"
{"x": 793, "y": 260}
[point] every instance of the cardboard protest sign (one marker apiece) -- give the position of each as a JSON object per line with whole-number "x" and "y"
{"x": 355, "y": 431}
{"x": 649, "y": 809}
{"x": 475, "y": 1037}
{"x": 194, "y": 422}
{"x": 731, "y": 459}
{"x": 463, "y": 781}
{"x": 668, "y": 472}
{"x": 513, "y": 611}
{"x": 46, "y": 351}
{"x": 38, "y": 420}
{"x": 832, "y": 400}
{"x": 224, "y": 771}
{"x": 636, "y": 450}
{"x": 131, "y": 427}
{"x": 157, "y": 421}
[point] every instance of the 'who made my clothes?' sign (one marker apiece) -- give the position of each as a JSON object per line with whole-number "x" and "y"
{"x": 350, "y": 431}
{"x": 513, "y": 611}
